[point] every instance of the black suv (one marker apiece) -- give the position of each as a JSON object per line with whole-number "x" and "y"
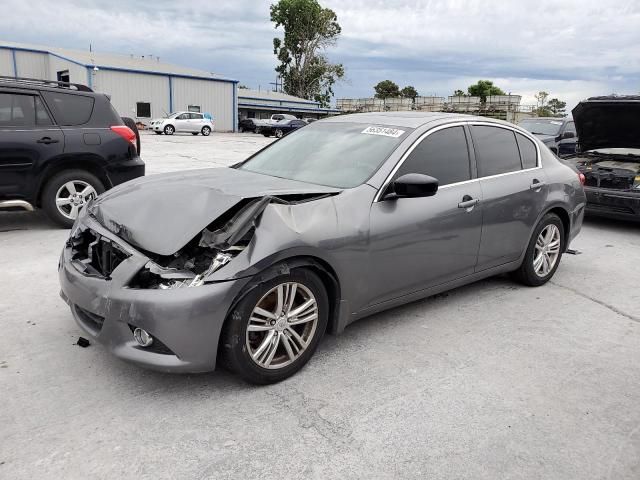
{"x": 61, "y": 144}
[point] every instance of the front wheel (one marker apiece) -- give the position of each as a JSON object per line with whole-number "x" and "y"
{"x": 544, "y": 252}
{"x": 67, "y": 193}
{"x": 274, "y": 330}
{"x": 206, "y": 131}
{"x": 169, "y": 130}
{"x": 279, "y": 133}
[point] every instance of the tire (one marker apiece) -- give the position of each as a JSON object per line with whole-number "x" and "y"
{"x": 55, "y": 188}
{"x": 279, "y": 133}
{"x": 194, "y": 133}
{"x": 528, "y": 274}
{"x": 169, "y": 130}
{"x": 206, "y": 131}
{"x": 238, "y": 347}
{"x": 241, "y": 129}
{"x": 256, "y": 130}
{"x": 129, "y": 122}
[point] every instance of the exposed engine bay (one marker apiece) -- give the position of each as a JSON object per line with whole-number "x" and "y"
{"x": 612, "y": 171}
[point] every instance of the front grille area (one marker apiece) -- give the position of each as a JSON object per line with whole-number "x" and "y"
{"x": 99, "y": 255}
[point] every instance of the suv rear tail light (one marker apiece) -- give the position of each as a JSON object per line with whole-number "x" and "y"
{"x": 126, "y": 133}
{"x": 582, "y": 178}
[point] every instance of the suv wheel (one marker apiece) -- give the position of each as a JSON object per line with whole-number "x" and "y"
{"x": 67, "y": 193}
{"x": 274, "y": 330}
{"x": 544, "y": 252}
{"x": 206, "y": 131}
{"x": 169, "y": 130}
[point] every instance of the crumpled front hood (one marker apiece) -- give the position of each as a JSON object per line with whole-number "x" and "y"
{"x": 608, "y": 122}
{"x": 161, "y": 213}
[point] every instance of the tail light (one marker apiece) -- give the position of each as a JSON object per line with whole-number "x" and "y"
{"x": 582, "y": 178}
{"x": 126, "y": 133}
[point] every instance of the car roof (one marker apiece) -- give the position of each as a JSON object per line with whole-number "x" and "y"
{"x": 555, "y": 119}
{"x": 409, "y": 119}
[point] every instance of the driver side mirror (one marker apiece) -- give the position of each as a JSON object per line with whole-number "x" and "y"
{"x": 412, "y": 185}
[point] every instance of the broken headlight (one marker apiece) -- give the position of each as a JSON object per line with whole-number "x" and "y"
{"x": 155, "y": 276}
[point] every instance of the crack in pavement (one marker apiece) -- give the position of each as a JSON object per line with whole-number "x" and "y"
{"x": 599, "y": 302}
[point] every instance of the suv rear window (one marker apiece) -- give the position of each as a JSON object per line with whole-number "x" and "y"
{"x": 69, "y": 109}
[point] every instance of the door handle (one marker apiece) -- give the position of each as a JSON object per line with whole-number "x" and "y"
{"x": 468, "y": 202}
{"x": 47, "y": 140}
{"x": 536, "y": 185}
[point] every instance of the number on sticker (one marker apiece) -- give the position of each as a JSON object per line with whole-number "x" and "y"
{"x": 385, "y": 131}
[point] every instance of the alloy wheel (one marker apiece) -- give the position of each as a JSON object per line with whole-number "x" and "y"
{"x": 547, "y": 250}
{"x": 72, "y": 196}
{"x": 282, "y": 325}
{"x": 279, "y": 133}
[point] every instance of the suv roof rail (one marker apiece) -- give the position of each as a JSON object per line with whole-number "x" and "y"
{"x": 46, "y": 83}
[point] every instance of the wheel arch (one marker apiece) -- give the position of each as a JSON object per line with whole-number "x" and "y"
{"x": 321, "y": 267}
{"x": 91, "y": 164}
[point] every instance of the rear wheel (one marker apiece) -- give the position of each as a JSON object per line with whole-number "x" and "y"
{"x": 169, "y": 130}
{"x": 206, "y": 131}
{"x": 67, "y": 193}
{"x": 544, "y": 252}
{"x": 274, "y": 330}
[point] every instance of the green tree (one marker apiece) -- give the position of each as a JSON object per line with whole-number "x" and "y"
{"x": 308, "y": 30}
{"x": 409, "y": 92}
{"x": 387, "y": 89}
{"x": 557, "y": 107}
{"x": 542, "y": 110}
{"x": 459, "y": 93}
{"x": 483, "y": 89}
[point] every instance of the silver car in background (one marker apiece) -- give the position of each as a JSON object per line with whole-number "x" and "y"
{"x": 344, "y": 218}
{"x": 190, "y": 122}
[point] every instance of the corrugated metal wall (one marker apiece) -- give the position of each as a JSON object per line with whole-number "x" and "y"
{"x": 77, "y": 73}
{"x": 6, "y": 63}
{"x": 212, "y": 97}
{"x": 126, "y": 89}
{"x": 32, "y": 64}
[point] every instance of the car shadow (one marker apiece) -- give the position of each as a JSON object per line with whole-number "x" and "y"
{"x": 11, "y": 221}
{"x": 612, "y": 223}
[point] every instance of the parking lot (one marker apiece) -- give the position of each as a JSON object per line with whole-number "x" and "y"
{"x": 492, "y": 380}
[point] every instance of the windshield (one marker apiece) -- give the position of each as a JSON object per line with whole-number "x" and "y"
{"x": 340, "y": 155}
{"x": 541, "y": 127}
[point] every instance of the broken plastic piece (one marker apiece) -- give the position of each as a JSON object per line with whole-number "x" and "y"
{"x": 571, "y": 251}
{"x": 83, "y": 342}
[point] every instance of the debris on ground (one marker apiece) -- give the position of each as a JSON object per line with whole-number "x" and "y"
{"x": 83, "y": 342}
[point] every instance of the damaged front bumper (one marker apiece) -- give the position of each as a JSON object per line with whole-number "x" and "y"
{"x": 184, "y": 322}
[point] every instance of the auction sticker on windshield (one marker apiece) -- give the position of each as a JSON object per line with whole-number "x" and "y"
{"x": 385, "y": 131}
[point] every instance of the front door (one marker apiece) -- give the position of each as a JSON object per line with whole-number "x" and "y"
{"x": 182, "y": 123}
{"x": 27, "y": 138}
{"x": 422, "y": 242}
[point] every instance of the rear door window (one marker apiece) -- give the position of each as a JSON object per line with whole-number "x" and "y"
{"x": 17, "y": 110}
{"x": 69, "y": 109}
{"x": 443, "y": 155}
{"x": 496, "y": 150}
{"x": 528, "y": 151}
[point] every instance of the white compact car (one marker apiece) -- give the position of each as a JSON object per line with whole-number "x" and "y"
{"x": 190, "y": 122}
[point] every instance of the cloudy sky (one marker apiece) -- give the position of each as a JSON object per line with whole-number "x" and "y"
{"x": 571, "y": 48}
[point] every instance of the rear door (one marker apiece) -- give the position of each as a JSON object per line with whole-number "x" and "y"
{"x": 422, "y": 242}
{"x": 28, "y": 138}
{"x": 196, "y": 121}
{"x": 514, "y": 190}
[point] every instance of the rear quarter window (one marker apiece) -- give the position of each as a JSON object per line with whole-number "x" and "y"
{"x": 69, "y": 109}
{"x": 528, "y": 151}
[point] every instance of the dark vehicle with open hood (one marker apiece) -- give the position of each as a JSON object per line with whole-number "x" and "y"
{"x": 341, "y": 219}
{"x": 609, "y": 158}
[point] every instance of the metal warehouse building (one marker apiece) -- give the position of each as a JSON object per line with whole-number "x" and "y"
{"x": 140, "y": 87}
{"x": 262, "y": 104}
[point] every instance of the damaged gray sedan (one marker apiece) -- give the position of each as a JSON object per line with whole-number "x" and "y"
{"x": 349, "y": 216}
